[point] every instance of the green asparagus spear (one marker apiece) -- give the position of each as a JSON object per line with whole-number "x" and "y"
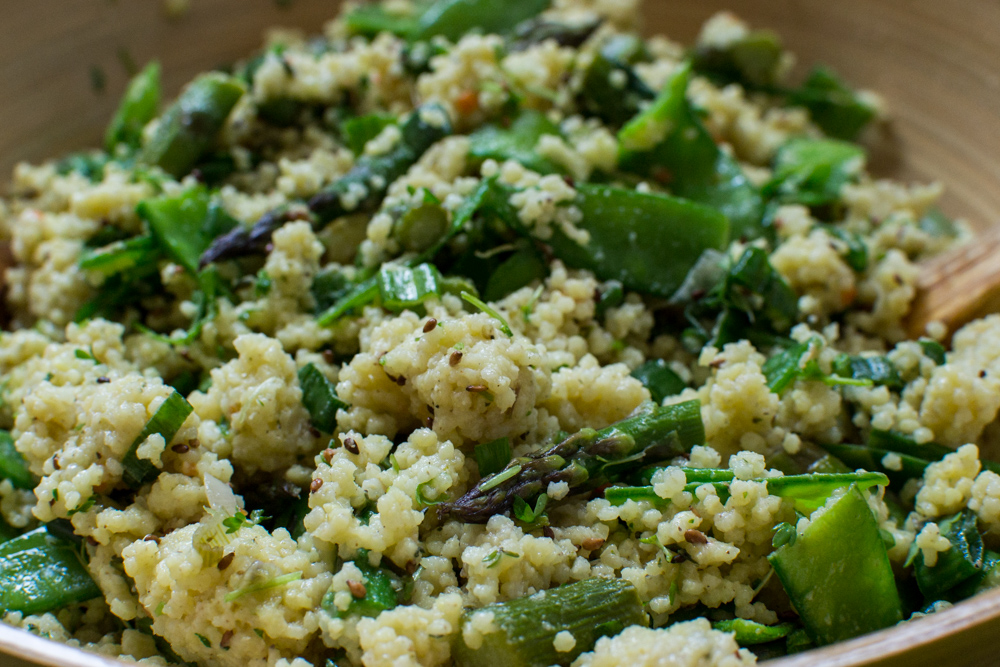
{"x": 526, "y": 627}
{"x": 361, "y": 189}
{"x": 189, "y": 127}
{"x": 585, "y": 460}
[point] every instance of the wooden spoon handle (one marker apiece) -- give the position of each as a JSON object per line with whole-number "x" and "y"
{"x": 958, "y": 286}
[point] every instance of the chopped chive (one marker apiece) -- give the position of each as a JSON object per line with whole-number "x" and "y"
{"x": 493, "y": 457}
{"x": 262, "y": 586}
{"x": 422, "y": 499}
{"x": 528, "y": 309}
{"x": 478, "y": 303}
{"x": 167, "y": 421}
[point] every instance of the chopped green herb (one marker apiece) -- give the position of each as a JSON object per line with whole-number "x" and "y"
{"x": 661, "y": 381}
{"x": 525, "y": 513}
{"x": 263, "y": 586}
{"x": 319, "y": 396}
{"x": 478, "y": 303}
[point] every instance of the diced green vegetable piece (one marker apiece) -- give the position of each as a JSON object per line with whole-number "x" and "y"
{"x": 12, "y": 464}
{"x": 328, "y": 287}
{"x": 138, "y": 106}
{"x": 646, "y": 241}
{"x": 380, "y": 594}
{"x": 754, "y": 287}
{"x": 878, "y": 369}
{"x": 661, "y": 118}
{"x": 689, "y": 161}
{"x": 586, "y": 609}
{"x": 520, "y": 269}
{"x": 516, "y": 142}
{"x": 612, "y": 295}
{"x": 359, "y": 130}
{"x": 833, "y": 106}
{"x": 856, "y": 255}
{"x": 420, "y": 227}
{"x": 182, "y": 225}
{"x": 956, "y": 565}
{"x": 751, "y": 633}
{"x": 190, "y": 126}
{"x": 401, "y": 287}
{"x": 933, "y": 350}
{"x": 797, "y": 363}
{"x": 121, "y": 256}
{"x": 492, "y": 457}
{"x": 784, "y": 368}
{"x": 753, "y": 61}
{"x": 661, "y": 381}
{"x": 813, "y": 171}
{"x": 602, "y": 95}
{"x": 454, "y": 18}
{"x": 41, "y": 573}
{"x": 166, "y": 421}
{"x": 319, "y": 395}
{"x": 837, "y": 573}
{"x": 89, "y": 164}
{"x": 937, "y": 224}
{"x": 360, "y": 295}
{"x": 811, "y": 490}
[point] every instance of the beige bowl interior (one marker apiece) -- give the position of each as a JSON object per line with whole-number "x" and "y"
{"x": 935, "y": 61}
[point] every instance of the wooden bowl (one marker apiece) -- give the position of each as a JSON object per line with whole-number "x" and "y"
{"x": 935, "y": 61}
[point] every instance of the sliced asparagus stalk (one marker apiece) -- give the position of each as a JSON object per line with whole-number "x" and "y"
{"x": 526, "y": 628}
{"x": 586, "y": 459}
{"x": 361, "y": 189}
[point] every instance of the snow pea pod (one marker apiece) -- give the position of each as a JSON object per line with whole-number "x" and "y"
{"x": 454, "y": 18}
{"x": 669, "y": 142}
{"x": 40, "y": 573}
{"x": 646, "y": 241}
{"x": 837, "y": 573}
